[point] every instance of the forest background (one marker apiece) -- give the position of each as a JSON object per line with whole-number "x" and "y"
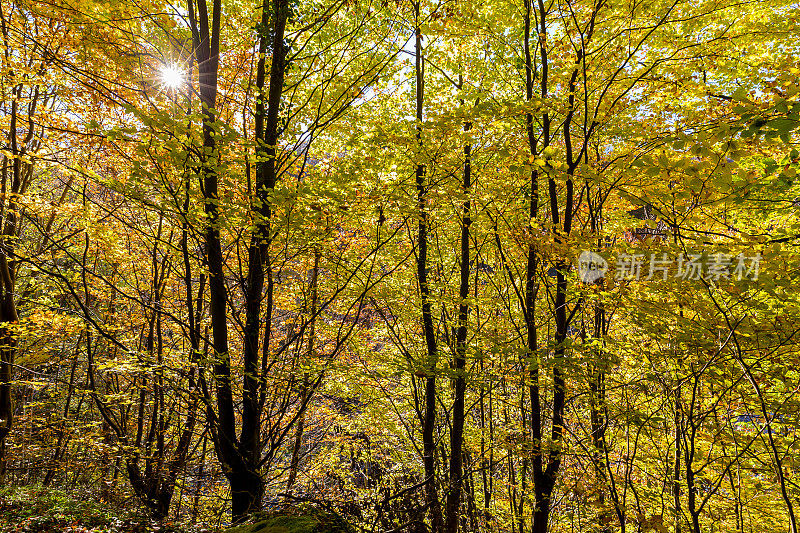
{"x": 509, "y": 265}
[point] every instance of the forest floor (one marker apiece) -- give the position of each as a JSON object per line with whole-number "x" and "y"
{"x": 33, "y": 509}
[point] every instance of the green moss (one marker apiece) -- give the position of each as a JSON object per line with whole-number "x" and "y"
{"x": 37, "y": 509}
{"x": 34, "y": 505}
{"x": 295, "y": 520}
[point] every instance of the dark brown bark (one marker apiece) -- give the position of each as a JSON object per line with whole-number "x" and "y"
{"x": 676, "y": 468}
{"x": 542, "y": 484}
{"x": 429, "y": 421}
{"x": 456, "y": 473}
{"x": 16, "y": 174}
{"x": 206, "y": 36}
{"x": 241, "y": 455}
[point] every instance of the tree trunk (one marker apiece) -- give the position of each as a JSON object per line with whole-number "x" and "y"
{"x": 457, "y": 431}
{"x": 63, "y": 438}
{"x": 428, "y": 443}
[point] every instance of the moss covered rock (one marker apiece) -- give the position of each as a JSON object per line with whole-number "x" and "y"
{"x": 295, "y": 520}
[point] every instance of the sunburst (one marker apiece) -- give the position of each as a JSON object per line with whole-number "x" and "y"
{"x": 172, "y": 76}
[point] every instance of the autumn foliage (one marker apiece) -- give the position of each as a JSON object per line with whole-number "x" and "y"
{"x": 503, "y": 266}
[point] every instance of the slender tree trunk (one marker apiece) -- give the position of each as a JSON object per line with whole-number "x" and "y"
{"x": 599, "y": 421}
{"x": 14, "y": 183}
{"x": 298, "y": 438}
{"x": 429, "y": 422}
{"x": 199, "y": 481}
{"x": 457, "y": 431}
{"x": 541, "y": 485}
{"x": 689, "y": 453}
{"x": 484, "y": 461}
{"x": 63, "y": 438}
{"x": 206, "y": 37}
{"x": 676, "y": 470}
{"x": 7, "y": 350}
{"x": 544, "y": 474}
{"x": 240, "y": 455}
{"x": 768, "y": 419}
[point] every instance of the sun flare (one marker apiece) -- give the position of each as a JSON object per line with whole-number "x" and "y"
{"x": 172, "y": 76}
